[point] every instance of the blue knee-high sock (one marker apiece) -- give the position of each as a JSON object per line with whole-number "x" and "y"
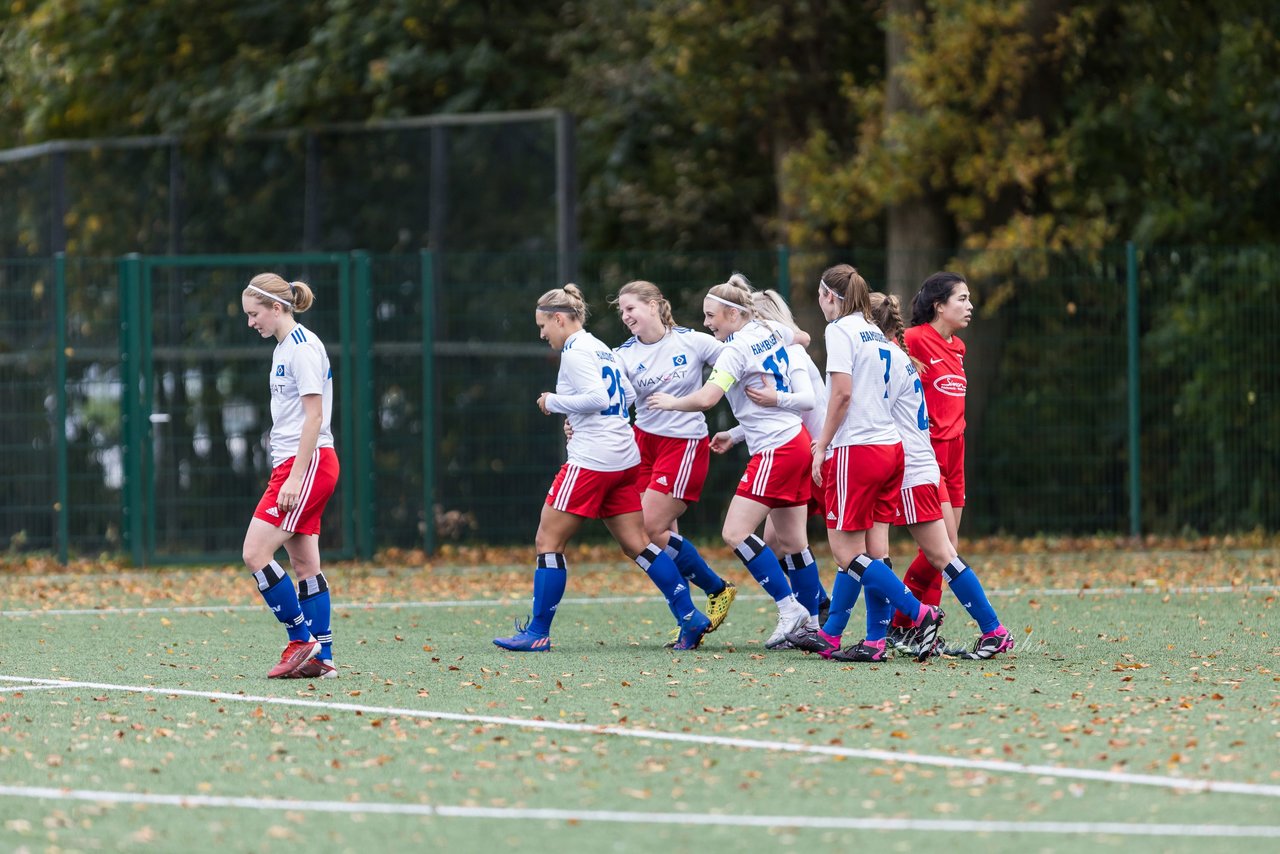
{"x": 692, "y": 566}
{"x": 277, "y": 591}
{"x": 879, "y": 615}
{"x": 880, "y": 580}
{"x": 803, "y": 572}
{"x": 968, "y": 589}
{"x": 844, "y": 595}
{"x": 763, "y": 565}
{"x": 313, "y": 596}
{"x": 548, "y": 589}
{"x": 662, "y": 571}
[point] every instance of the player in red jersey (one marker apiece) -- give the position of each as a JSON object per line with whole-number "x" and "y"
{"x": 940, "y": 309}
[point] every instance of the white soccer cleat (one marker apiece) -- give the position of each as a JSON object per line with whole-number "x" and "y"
{"x": 792, "y": 616}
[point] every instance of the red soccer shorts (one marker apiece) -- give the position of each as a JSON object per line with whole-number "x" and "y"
{"x": 919, "y": 504}
{"x": 594, "y": 494}
{"x": 862, "y": 485}
{"x": 318, "y": 483}
{"x": 950, "y": 454}
{"x": 780, "y": 477}
{"x": 675, "y": 467}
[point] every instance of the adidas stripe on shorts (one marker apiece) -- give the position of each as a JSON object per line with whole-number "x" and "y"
{"x": 675, "y": 467}
{"x": 318, "y": 483}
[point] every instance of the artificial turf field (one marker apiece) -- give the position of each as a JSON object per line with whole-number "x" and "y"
{"x": 1141, "y": 710}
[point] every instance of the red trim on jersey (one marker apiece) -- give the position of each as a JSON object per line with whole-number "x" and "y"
{"x": 919, "y": 504}
{"x": 950, "y": 454}
{"x": 594, "y": 494}
{"x": 943, "y": 377}
{"x": 863, "y": 485}
{"x": 675, "y": 467}
{"x": 780, "y": 477}
{"x": 318, "y": 483}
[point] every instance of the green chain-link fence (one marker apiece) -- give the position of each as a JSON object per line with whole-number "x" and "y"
{"x": 137, "y": 409}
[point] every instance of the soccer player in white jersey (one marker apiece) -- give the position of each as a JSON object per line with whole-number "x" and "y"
{"x": 674, "y": 456}
{"x": 773, "y": 309}
{"x": 304, "y": 473}
{"x": 920, "y": 507}
{"x": 599, "y": 479}
{"x": 863, "y": 478}
{"x": 776, "y": 482}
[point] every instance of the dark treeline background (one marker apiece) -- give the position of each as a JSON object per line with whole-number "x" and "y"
{"x": 911, "y": 124}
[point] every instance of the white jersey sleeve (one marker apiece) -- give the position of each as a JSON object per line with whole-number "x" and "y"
{"x": 592, "y": 390}
{"x": 912, "y": 420}
{"x": 813, "y": 418}
{"x": 587, "y": 388}
{"x": 802, "y": 397}
{"x": 859, "y": 349}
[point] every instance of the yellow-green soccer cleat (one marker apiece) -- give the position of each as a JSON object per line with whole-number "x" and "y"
{"x": 718, "y": 605}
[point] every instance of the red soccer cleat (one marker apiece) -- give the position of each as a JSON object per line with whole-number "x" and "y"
{"x": 294, "y": 655}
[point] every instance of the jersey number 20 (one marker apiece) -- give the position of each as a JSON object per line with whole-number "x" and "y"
{"x": 610, "y": 376}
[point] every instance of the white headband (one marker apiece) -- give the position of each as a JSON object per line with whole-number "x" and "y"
{"x": 823, "y": 282}
{"x": 270, "y": 295}
{"x": 728, "y": 303}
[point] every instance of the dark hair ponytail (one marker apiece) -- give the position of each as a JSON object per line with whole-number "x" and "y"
{"x": 937, "y": 288}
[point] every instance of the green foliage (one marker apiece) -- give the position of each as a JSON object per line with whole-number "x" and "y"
{"x": 114, "y": 67}
{"x": 1043, "y": 124}
{"x": 687, "y": 109}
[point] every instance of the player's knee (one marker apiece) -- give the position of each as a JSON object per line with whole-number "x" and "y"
{"x": 733, "y": 535}
{"x": 656, "y": 533}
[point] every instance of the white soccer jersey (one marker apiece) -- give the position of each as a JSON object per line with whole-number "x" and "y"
{"x": 593, "y": 390}
{"x": 812, "y": 418}
{"x": 859, "y": 349}
{"x": 759, "y": 356}
{"x": 673, "y": 364}
{"x": 911, "y": 417}
{"x": 299, "y": 366}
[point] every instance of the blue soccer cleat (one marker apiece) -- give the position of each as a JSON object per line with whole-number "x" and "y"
{"x": 694, "y": 628}
{"x": 524, "y": 640}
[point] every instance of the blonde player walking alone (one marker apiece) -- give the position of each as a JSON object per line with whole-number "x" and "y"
{"x": 304, "y": 473}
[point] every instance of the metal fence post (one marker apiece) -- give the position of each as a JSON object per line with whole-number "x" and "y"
{"x": 347, "y": 375}
{"x": 1135, "y": 414}
{"x": 427, "y": 258}
{"x": 366, "y": 469}
{"x": 61, "y": 505}
{"x": 566, "y": 198}
{"x": 132, "y": 417}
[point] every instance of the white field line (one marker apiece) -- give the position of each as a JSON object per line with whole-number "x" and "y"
{"x": 624, "y": 817}
{"x": 616, "y": 600}
{"x": 992, "y": 765}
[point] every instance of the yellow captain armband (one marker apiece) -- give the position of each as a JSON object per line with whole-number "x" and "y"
{"x": 722, "y": 379}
